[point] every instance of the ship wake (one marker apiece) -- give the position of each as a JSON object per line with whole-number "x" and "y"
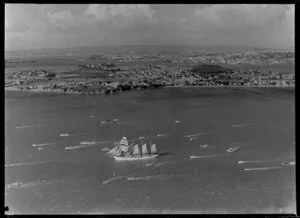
{"x": 159, "y": 177}
{"x": 256, "y": 161}
{"x": 113, "y": 179}
{"x": 45, "y": 144}
{"x": 161, "y": 164}
{"x": 71, "y": 134}
{"x": 150, "y": 177}
{"x": 77, "y": 147}
{"x": 202, "y": 156}
{"x": 243, "y": 124}
{"x": 262, "y": 168}
{"x": 27, "y": 164}
{"x": 19, "y": 185}
{"x": 29, "y": 126}
{"x": 196, "y": 134}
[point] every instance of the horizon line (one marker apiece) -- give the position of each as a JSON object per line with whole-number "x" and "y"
{"x": 149, "y": 45}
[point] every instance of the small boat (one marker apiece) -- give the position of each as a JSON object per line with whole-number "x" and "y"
{"x": 109, "y": 121}
{"x": 178, "y": 121}
{"x": 161, "y": 134}
{"x": 232, "y": 149}
{"x": 193, "y": 138}
{"x": 104, "y": 122}
{"x": 286, "y": 163}
{"x": 125, "y": 152}
{"x": 204, "y": 146}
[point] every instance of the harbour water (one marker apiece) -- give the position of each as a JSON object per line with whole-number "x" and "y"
{"x": 222, "y": 148}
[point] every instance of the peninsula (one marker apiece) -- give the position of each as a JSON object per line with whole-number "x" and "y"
{"x": 114, "y": 73}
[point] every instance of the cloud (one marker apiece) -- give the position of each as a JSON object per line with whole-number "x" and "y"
{"x": 242, "y": 24}
{"x": 88, "y": 25}
{"x": 16, "y": 27}
{"x": 239, "y": 16}
{"x": 60, "y": 18}
{"x": 121, "y": 14}
{"x": 289, "y": 23}
{"x": 30, "y": 15}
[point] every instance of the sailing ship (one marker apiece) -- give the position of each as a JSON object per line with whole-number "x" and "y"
{"x": 123, "y": 151}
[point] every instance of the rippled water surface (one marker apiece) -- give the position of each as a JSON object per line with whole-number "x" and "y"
{"x": 224, "y": 156}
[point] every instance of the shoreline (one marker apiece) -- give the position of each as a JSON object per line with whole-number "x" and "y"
{"x": 238, "y": 86}
{"x": 117, "y": 92}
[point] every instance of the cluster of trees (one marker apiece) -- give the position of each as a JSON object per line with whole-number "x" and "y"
{"x": 208, "y": 68}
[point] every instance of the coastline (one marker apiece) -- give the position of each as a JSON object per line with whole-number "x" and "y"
{"x": 238, "y": 86}
{"x": 58, "y": 91}
{"x": 16, "y": 89}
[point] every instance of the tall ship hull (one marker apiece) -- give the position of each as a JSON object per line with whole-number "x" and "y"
{"x": 145, "y": 157}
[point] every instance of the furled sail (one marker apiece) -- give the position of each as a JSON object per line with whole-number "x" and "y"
{"x": 136, "y": 150}
{"x": 153, "y": 149}
{"x": 115, "y": 151}
{"x": 144, "y": 149}
{"x": 124, "y": 141}
{"x": 118, "y": 152}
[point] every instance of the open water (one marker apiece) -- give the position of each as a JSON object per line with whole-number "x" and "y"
{"x": 222, "y": 152}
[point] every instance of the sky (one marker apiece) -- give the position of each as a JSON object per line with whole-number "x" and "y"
{"x": 36, "y": 26}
